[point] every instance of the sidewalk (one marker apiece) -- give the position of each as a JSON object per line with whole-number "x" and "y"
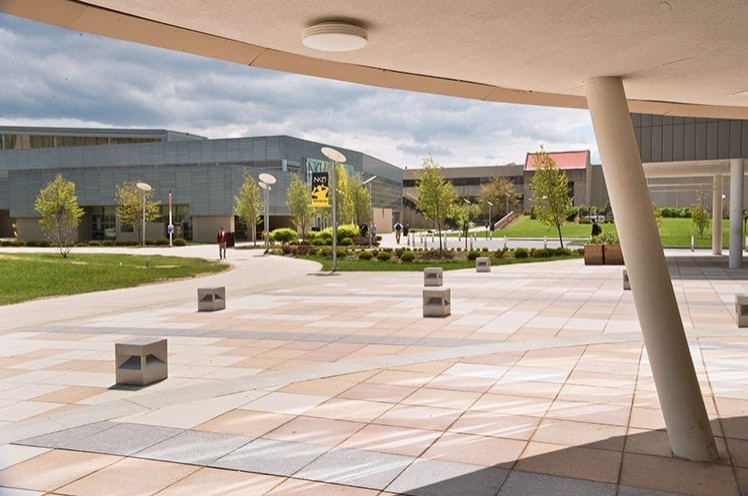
{"x": 537, "y": 384}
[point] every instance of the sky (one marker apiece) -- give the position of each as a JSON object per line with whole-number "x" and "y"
{"x": 56, "y": 77}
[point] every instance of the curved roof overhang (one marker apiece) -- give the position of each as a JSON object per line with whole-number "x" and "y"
{"x": 681, "y": 58}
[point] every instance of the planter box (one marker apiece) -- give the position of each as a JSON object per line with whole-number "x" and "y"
{"x": 593, "y": 254}
{"x": 603, "y": 254}
{"x": 613, "y": 255}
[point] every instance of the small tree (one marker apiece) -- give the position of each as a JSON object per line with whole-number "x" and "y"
{"x": 248, "y": 205}
{"x": 550, "y": 192}
{"x": 129, "y": 199}
{"x": 60, "y": 213}
{"x": 700, "y": 216}
{"x": 361, "y": 201}
{"x": 299, "y": 202}
{"x": 435, "y": 195}
{"x": 463, "y": 214}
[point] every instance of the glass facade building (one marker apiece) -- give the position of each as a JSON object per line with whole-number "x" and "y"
{"x": 203, "y": 175}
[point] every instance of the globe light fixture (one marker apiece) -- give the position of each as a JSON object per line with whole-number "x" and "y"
{"x": 335, "y": 36}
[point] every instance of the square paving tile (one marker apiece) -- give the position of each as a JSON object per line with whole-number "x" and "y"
{"x": 424, "y": 417}
{"x": 10, "y": 454}
{"x": 578, "y": 462}
{"x": 218, "y": 482}
{"x": 476, "y": 450}
{"x": 571, "y": 433}
{"x": 300, "y": 487}
{"x": 439, "y": 478}
{"x": 196, "y": 447}
{"x": 129, "y": 477}
{"x": 292, "y": 404}
{"x": 527, "y": 484}
{"x": 391, "y": 439}
{"x": 269, "y": 456}
{"x": 678, "y": 476}
{"x": 121, "y": 439}
{"x": 245, "y": 422}
{"x": 496, "y": 425}
{"x": 54, "y": 469}
{"x": 356, "y": 468}
{"x": 327, "y": 432}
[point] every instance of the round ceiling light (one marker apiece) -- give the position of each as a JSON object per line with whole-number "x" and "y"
{"x": 335, "y": 37}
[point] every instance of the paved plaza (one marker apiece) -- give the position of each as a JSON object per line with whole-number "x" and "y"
{"x": 318, "y": 384}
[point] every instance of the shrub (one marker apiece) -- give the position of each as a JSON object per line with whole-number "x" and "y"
{"x": 473, "y": 254}
{"x": 157, "y": 242}
{"x": 585, "y": 220}
{"x": 179, "y": 242}
{"x": 365, "y": 255}
{"x": 521, "y": 253}
{"x": 341, "y": 252}
{"x": 37, "y": 243}
{"x": 408, "y": 256}
{"x": 384, "y": 255}
{"x": 94, "y": 242}
{"x": 283, "y": 235}
{"x": 346, "y": 242}
{"x": 542, "y": 253}
{"x": 563, "y": 252}
{"x": 346, "y": 231}
{"x": 310, "y": 236}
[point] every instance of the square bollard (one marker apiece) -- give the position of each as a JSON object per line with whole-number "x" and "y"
{"x": 741, "y": 309}
{"x": 626, "y": 283}
{"x": 211, "y": 299}
{"x": 141, "y": 361}
{"x": 433, "y": 276}
{"x": 436, "y": 302}
{"x": 483, "y": 264}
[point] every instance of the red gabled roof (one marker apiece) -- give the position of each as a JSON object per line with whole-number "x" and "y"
{"x": 564, "y": 160}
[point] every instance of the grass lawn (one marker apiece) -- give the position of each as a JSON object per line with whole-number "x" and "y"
{"x": 27, "y": 276}
{"x": 675, "y": 232}
{"x": 346, "y": 265}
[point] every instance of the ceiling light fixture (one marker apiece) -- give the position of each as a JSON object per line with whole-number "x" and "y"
{"x": 335, "y": 36}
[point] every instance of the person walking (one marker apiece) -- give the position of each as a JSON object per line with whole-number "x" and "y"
{"x": 221, "y": 239}
{"x": 398, "y": 231}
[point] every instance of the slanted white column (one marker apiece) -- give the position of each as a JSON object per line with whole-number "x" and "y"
{"x": 717, "y": 215}
{"x": 736, "y": 213}
{"x": 678, "y": 389}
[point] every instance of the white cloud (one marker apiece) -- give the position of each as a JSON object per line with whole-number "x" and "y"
{"x": 57, "y": 77}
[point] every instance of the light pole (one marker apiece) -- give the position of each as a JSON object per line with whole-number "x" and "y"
{"x": 145, "y": 188}
{"x": 266, "y": 180}
{"x": 371, "y": 204}
{"x": 490, "y": 226}
{"x": 334, "y": 156}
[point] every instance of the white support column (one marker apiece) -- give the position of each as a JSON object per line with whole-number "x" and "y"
{"x": 678, "y": 389}
{"x": 717, "y": 215}
{"x": 736, "y": 213}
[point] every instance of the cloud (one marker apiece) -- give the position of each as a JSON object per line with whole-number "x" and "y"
{"x": 54, "y": 76}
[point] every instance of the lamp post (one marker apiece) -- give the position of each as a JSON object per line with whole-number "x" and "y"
{"x": 490, "y": 226}
{"x": 145, "y": 188}
{"x": 334, "y": 156}
{"x": 266, "y": 180}
{"x": 371, "y": 204}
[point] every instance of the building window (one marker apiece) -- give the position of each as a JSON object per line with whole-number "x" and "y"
{"x": 103, "y": 222}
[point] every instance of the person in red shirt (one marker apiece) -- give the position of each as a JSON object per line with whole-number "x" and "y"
{"x": 221, "y": 239}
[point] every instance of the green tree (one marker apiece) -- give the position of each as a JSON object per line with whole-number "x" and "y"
{"x": 700, "y": 216}
{"x": 359, "y": 195}
{"x": 299, "y": 202}
{"x": 463, "y": 214}
{"x": 550, "y": 192}
{"x": 60, "y": 213}
{"x": 436, "y": 195}
{"x": 129, "y": 199}
{"x": 248, "y": 204}
{"x": 502, "y": 193}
